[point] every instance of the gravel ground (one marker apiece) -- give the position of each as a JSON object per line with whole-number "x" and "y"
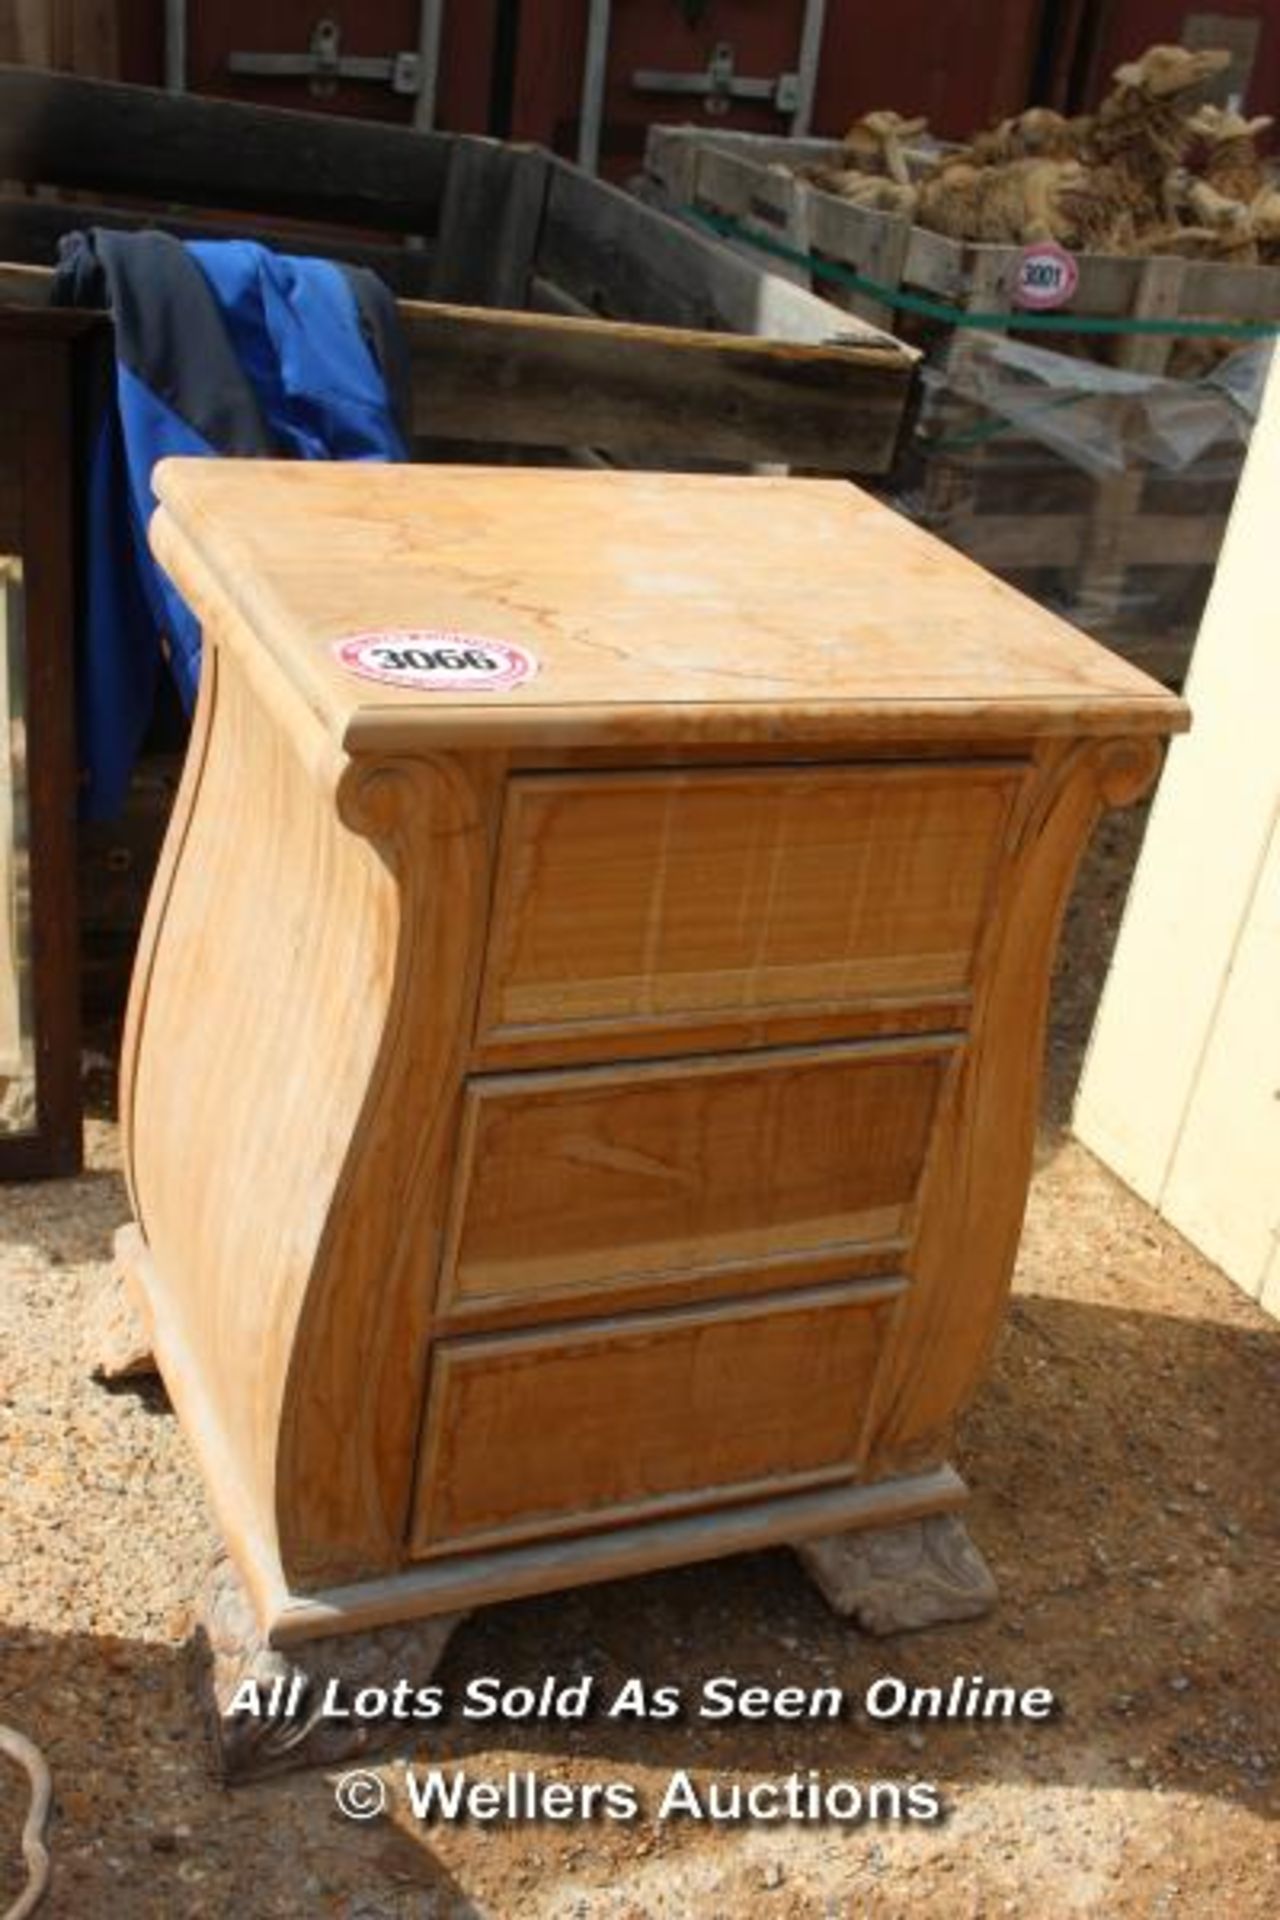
{"x": 1122, "y": 1460}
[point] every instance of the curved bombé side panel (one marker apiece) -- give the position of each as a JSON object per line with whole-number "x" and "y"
{"x": 356, "y": 1377}
{"x": 259, "y": 1004}
{"x": 974, "y": 1193}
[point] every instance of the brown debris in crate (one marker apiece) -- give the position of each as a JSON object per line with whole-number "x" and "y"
{"x": 1153, "y": 171}
{"x": 873, "y": 169}
{"x": 877, "y": 144}
{"x": 1037, "y": 134}
{"x": 1226, "y": 155}
{"x": 1229, "y": 168}
{"x": 1009, "y": 205}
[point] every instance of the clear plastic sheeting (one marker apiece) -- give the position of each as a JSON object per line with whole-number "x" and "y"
{"x": 1101, "y": 492}
{"x": 1104, "y": 419}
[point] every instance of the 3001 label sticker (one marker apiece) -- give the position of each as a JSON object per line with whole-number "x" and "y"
{"x": 434, "y": 660}
{"x": 1047, "y": 276}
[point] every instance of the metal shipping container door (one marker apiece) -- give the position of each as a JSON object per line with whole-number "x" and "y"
{"x": 734, "y": 63}
{"x": 375, "y": 60}
{"x": 766, "y": 66}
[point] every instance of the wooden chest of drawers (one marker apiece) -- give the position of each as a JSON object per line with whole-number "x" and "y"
{"x": 583, "y": 1063}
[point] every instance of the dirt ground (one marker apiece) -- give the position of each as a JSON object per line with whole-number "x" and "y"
{"x": 1123, "y": 1466}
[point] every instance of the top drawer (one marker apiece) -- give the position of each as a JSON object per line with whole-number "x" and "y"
{"x": 652, "y": 902}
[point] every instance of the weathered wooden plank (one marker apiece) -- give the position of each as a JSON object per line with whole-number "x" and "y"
{"x": 875, "y": 245}
{"x": 731, "y": 182}
{"x": 31, "y": 229}
{"x": 768, "y": 200}
{"x": 60, "y": 130}
{"x": 1223, "y": 292}
{"x": 1157, "y": 296}
{"x": 671, "y": 160}
{"x": 549, "y": 380}
{"x": 884, "y": 248}
{"x": 671, "y": 153}
{"x": 649, "y": 392}
{"x": 763, "y": 146}
{"x": 489, "y": 223}
{"x": 619, "y": 257}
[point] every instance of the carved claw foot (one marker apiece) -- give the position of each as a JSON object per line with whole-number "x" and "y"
{"x": 264, "y": 1708}
{"x": 117, "y": 1340}
{"x": 889, "y": 1580}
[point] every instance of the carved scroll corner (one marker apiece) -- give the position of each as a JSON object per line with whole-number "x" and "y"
{"x": 370, "y": 796}
{"x": 1124, "y": 770}
{"x": 387, "y": 798}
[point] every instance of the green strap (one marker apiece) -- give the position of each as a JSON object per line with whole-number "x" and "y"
{"x": 731, "y": 229}
{"x": 996, "y": 427}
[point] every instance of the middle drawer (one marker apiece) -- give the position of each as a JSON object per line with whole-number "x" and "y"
{"x": 790, "y": 1165}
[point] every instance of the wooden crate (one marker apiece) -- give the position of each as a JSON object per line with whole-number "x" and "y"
{"x": 752, "y": 180}
{"x": 1130, "y": 557}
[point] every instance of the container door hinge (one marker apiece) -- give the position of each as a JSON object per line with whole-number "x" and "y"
{"x": 720, "y": 86}
{"x": 324, "y": 64}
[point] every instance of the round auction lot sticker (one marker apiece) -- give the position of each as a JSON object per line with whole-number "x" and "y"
{"x": 1047, "y": 276}
{"x": 434, "y": 660}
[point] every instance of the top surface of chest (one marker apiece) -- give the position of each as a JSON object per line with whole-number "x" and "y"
{"x": 644, "y": 608}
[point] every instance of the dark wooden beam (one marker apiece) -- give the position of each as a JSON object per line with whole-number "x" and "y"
{"x": 31, "y": 229}
{"x": 653, "y": 394}
{"x": 490, "y": 223}
{"x": 57, "y": 129}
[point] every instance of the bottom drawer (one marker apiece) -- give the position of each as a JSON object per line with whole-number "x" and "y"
{"x": 555, "y": 1432}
